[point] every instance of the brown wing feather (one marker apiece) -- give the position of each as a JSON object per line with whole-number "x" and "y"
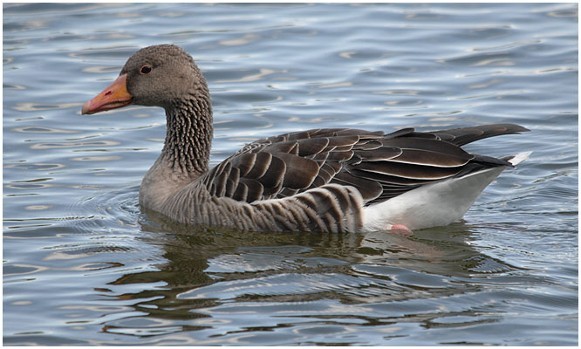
{"x": 380, "y": 166}
{"x": 465, "y": 135}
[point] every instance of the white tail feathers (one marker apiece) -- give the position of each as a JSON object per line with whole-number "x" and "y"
{"x": 520, "y": 157}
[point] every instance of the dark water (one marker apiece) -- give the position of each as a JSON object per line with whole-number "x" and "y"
{"x": 83, "y": 265}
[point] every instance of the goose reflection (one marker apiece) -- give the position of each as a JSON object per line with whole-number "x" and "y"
{"x": 207, "y": 268}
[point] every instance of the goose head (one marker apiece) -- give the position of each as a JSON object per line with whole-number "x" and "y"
{"x": 161, "y": 75}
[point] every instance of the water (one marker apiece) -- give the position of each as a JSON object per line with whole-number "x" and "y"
{"x": 83, "y": 265}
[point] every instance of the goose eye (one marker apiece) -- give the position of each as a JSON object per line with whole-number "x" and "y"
{"x": 145, "y": 69}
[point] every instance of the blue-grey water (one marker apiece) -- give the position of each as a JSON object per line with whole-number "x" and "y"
{"x": 83, "y": 265}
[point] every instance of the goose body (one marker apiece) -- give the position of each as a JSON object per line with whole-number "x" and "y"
{"x": 325, "y": 180}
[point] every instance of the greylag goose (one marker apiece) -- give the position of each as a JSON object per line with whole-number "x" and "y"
{"x": 320, "y": 180}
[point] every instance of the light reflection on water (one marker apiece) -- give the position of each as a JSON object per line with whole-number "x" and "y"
{"x": 83, "y": 265}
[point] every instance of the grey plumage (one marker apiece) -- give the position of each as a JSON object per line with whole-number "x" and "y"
{"x": 315, "y": 180}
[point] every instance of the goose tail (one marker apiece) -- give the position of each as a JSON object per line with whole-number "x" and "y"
{"x": 518, "y": 158}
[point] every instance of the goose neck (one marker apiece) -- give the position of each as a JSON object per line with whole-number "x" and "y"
{"x": 189, "y": 136}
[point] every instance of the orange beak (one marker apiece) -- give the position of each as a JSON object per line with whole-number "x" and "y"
{"x": 113, "y": 97}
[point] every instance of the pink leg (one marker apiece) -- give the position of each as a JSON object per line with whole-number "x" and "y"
{"x": 399, "y": 229}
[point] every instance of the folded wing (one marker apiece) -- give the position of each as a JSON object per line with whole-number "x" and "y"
{"x": 380, "y": 166}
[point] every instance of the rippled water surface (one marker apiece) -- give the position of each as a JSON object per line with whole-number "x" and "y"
{"x": 83, "y": 265}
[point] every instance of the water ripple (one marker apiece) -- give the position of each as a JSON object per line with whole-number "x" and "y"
{"x": 85, "y": 266}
